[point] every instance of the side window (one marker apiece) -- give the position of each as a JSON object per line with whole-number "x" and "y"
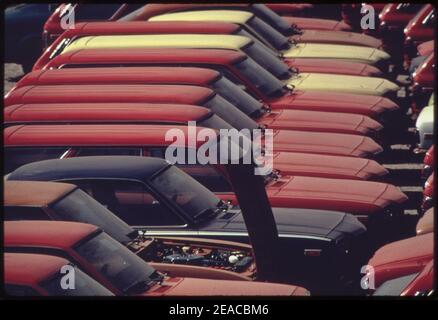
{"x": 24, "y": 213}
{"x": 16, "y": 157}
{"x": 20, "y": 291}
{"x": 130, "y": 201}
{"x": 207, "y": 175}
{"x": 86, "y": 152}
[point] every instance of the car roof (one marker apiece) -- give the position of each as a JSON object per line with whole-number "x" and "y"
{"x": 122, "y": 167}
{"x": 29, "y": 268}
{"x": 180, "y": 94}
{"x": 104, "y": 113}
{"x": 204, "y": 41}
{"x": 108, "y": 27}
{"x": 95, "y": 135}
{"x": 50, "y": 234}
{"x": 34, "y": 193}
{"x": 195, "y": 76}
{"x": 232, "y": 16}
{"x": 148, "y": 55}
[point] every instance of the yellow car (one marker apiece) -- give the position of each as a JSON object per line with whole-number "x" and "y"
{"x": 275, "y": 40}
{"x": 306, "y": 81}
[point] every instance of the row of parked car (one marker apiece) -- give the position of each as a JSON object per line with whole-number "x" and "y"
{"x": 87, "y": 184}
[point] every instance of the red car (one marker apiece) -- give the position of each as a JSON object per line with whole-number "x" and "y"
{"x": 428, "y": 163}
{"x": 286, "y": 163}
{"x": 286, "y": 25}
{"x": 426, "y": 48}
{"x": 174, "y": 27}
{"x": 83, "y": 12}
{"x": 421, "y": 28}
{"x": 423, "y": 283}
{"x": 401, "y": 258}
{"x": 283, "y": 140}
{"x": 275, "y": 119}
{"x": 238, "y": 68}
{"x": 116, "y": 267}
{"x": 363, "y": 198}
{"x": 32, "y": 275}
{"x": 428, "y": 193}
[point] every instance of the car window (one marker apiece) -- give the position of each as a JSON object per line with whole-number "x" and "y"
{"x": 20, "y": 291}
{"x": 207, "y": 175}
{"x": 16, "y": 157}
{"x": 130, "y": 201}
{"x": 95, "y": 11}
{"x": 24, "y": 213}
{"x": 87, "y": 152}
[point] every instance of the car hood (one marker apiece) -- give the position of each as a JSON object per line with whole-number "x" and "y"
{"x": 343, "y": 83}
{"x": 333, "y": 51}
{"x": 358, "y": 197}
{"x": 335, "y": 102}
{"x": 291, "y": 222}
{"x": 338, "y": 37}
{"x": 327, "y": 166}
{"x": 325, "y": 143}
{"x": 320, "y": 121}
{"x": 205, "y": 287}
{"x": 317, "y": 24}
{"x": 426, "y": 223}
{"x": 402, "y": 257}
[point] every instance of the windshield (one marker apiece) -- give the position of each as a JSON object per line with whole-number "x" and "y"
{"x": 273, "y": 19}
{"x": 121, "y": 267}
{"x": 16, "y": 157}
{"x": 275, "y": 38}
{"x": 257, "y": 39}
{"x": 238, "y": 97}
{"x": 79, "y": 206}
{"x": 395, "y": 286}
{"x": 268, "y": 61}
{"x": 186, "y": 193}
{"x": 228, "y": 112}
{"x": 264, "y": 81}
{"x": 84, "y": 286}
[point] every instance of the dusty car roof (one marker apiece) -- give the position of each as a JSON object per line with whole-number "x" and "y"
{"x": 30, "y": 269}
{"x": 230, "y": 42}
{"x": 103, "y": 113}
{"x": 232, "y": 16}
{"x": 86, "y": 167}
{"x": 93, "y": 135}
{"x": 54, "y": 234}
{"x": 201, "y": 76}
{"x": 34, "y": 193}
{"x": 147, "y": 55}
{"x": 181, "y": 94}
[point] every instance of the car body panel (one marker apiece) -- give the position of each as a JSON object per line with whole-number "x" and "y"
{"x": 279, "y": 119}
{"x": 426, "y": 222}
{"x": 423, "y": 284}
{"x": 321, "y": 101}
{"x": 420, "y": 27}
{"x": 426, "y": 48}
{"x": 356, "y": 196}
{"x": 331, "y": 143}
{"x": 137, "y": 27}
{"x": 425, "y": 127}
{"x": 402, "y": 257}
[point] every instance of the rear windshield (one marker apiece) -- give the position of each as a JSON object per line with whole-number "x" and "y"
{"x": 230, "y": 113}
{"x": 267, "y": 60}
{"x": 264, "y": 81}
{"x": 273, "y": 19}
{"x": 275, "y": 38}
